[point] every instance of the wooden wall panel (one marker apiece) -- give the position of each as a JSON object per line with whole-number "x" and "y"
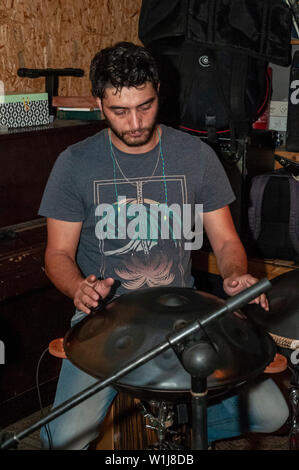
{"x": 58, "y": 34}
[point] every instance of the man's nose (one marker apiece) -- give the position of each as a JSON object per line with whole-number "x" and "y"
{"x": 135, "y": 120}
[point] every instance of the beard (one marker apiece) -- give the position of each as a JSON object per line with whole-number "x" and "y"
{"x": 135, "y": 138}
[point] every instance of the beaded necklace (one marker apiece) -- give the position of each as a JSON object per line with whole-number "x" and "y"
{"x": 115, "y": 163}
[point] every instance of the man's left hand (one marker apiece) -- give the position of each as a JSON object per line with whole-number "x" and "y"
{"x": 234, "y": 284}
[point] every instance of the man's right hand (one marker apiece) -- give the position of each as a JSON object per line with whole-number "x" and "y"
{"x": 91, "y": 291}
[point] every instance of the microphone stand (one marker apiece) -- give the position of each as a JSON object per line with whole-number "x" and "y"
{"x": 200, "y": 359}
{"x": 190, "y": 360}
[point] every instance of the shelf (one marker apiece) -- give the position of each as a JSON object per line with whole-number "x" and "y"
{"x": 270, "y": 268}
{"x": 283, "y": 153}
{"x": 294, "y": 41}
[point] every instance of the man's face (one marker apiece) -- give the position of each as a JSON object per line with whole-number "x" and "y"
{"x": 131, "y": 115}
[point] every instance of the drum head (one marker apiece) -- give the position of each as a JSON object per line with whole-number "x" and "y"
{"x": 134, "y": 323}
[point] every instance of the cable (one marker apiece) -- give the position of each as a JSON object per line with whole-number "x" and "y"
{"x": 47, "y": 429}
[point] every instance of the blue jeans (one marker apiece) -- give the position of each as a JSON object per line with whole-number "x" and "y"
{"x": 74, "y": 430}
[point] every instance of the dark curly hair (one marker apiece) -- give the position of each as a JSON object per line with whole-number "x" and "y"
{"x": 124, "y": 64}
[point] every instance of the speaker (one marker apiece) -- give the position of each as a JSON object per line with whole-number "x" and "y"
{"x": 292, "y": 136}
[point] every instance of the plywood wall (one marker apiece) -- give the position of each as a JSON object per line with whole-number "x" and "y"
{"x": 58, "y": 34}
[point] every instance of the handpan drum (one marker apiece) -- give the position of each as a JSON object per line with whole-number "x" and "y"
{"x": 124, "y": 329}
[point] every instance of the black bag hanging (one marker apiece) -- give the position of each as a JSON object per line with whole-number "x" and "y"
{"x": 213, "y": 58}
{"x": 273, "y": 214}
{"x": 211, "y": 91}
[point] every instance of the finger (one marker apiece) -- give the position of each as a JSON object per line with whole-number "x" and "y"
{"x": 96, "y": 291}
{"x": 91, "y": 279}
{"x": 90, "y": 292}
{"x": 108, "y": 282}
{"x": 81, "y": 306}
{"x": 232, "y": 283}
{"x": 251, "y": 281}
{"x": 89, "y": 301}
{"x": 262, "y": 301}
{"x": 257, "y": 300}
{"x": 86, "y": 302}
{"x": 103, "y": 287}
{"x": 87, "y": 297}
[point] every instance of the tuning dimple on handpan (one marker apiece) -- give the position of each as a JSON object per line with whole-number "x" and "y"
{"x": 125, "y": 342}
{"x": 172, "y": 300}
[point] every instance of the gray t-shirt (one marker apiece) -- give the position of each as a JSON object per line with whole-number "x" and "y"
{"x": 121, "y": 240}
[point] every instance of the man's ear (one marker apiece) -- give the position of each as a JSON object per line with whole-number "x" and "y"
{"x": 99, "y": 104}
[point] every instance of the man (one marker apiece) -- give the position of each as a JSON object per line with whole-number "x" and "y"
{"x": 95, "y": 237}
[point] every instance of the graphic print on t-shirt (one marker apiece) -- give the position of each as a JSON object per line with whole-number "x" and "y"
{"x": 144, "y": 252}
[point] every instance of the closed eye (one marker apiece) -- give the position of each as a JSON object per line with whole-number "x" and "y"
{"x": 145, "y": 107}
{"x": 120, "y": 112}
